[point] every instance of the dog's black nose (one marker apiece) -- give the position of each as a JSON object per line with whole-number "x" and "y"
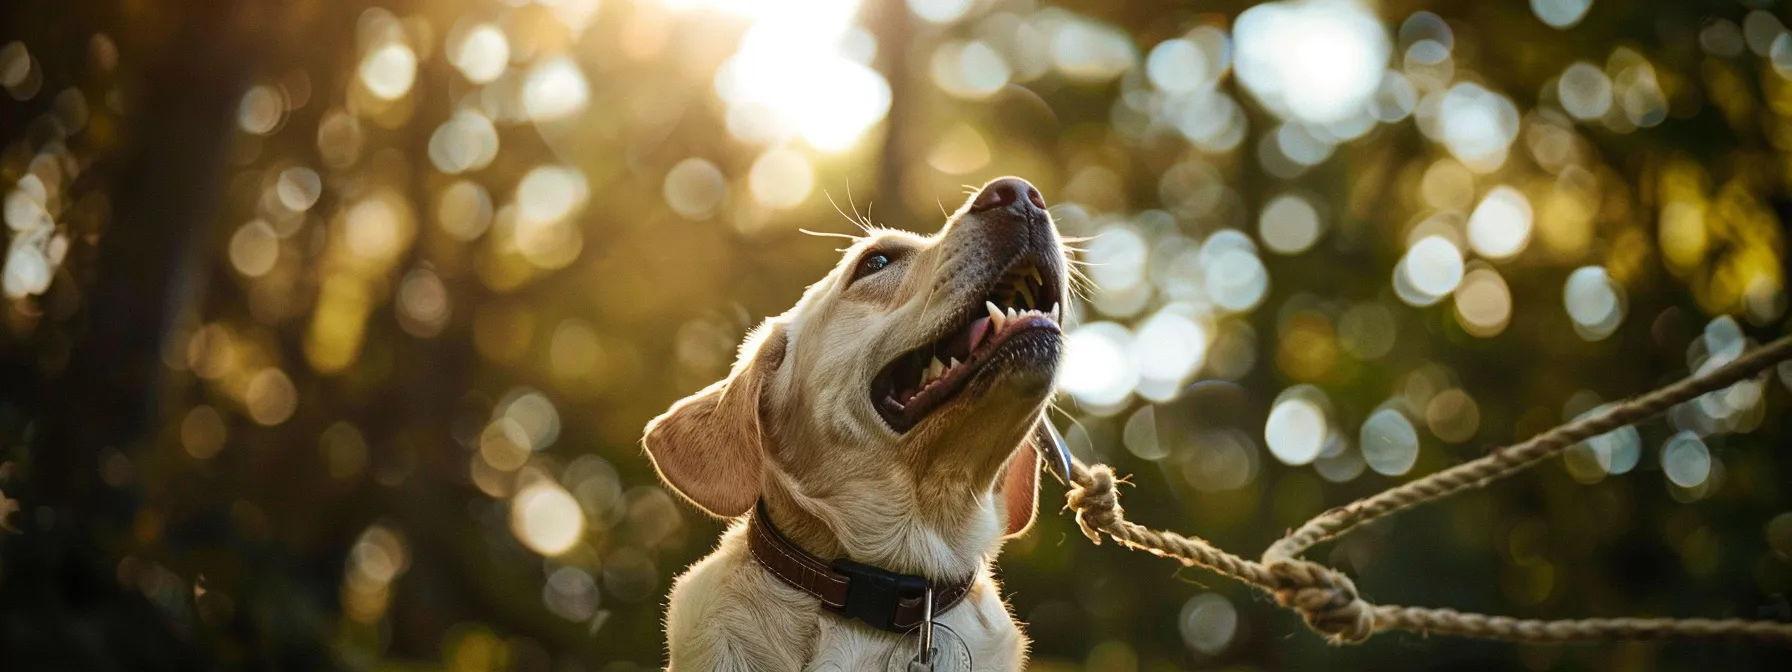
{"x": 1008, "y": 192}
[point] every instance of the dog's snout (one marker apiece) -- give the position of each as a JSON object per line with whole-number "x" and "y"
{"x": 1008, "y": 192}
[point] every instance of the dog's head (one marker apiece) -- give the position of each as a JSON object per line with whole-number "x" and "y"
{"x": 920, "y": 363}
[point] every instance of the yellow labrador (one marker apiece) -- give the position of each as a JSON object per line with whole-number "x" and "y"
{"x": 876, "y": 442}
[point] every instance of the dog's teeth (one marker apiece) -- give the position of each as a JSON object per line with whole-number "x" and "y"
{"x": 1034, "y": 271}
{"x": 952, "y": 364}
{"x": 996, "y": 319}
{"x": 1012, "y": 314}
{"x": 1055, "y": 317}
{"x": 1028, "y": 293}
{"x": 935, "y": 370}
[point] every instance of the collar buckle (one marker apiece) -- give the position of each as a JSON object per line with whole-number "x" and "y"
{"x": 873, "y": 594}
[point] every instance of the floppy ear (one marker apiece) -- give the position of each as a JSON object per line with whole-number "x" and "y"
{"x": 708, "y": 446}
{"x": 1020, "y": 484}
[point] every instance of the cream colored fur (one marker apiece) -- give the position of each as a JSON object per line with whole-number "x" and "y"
{"x": 793, "y": 426}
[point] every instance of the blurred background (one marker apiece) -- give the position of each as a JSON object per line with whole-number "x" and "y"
{"x": 329, "y": 327}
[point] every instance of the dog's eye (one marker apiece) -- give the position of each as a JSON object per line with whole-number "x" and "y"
{"x": 872, "y": 263}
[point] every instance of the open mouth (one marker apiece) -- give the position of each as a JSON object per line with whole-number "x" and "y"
{"x": 1022, "y": 302}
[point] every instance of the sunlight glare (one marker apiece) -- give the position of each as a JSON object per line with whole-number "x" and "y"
{"x": 1318, "y": 61}
{"x": 794, "y": 62}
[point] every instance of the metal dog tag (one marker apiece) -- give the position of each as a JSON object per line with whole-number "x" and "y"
{"x": 949, "y": 654}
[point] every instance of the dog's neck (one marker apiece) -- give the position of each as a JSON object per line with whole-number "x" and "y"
{"x": 951, "y": 538}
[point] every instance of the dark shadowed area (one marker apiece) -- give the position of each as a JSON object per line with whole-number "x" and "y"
{"x": 328, "y": 328}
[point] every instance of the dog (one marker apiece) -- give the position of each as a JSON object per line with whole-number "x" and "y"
{"x": 876, "y": 444}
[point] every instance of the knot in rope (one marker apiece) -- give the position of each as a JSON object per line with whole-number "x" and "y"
{"x": 1326, "y": 598}
{"x": 1097, "y": 505}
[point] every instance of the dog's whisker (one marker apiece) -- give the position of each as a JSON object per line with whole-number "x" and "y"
{"x": 831, "y": 234}
{"x": 850, "y": 218}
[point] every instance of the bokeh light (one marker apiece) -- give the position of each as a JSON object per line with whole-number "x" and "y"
{"x": 1584, "y": 91}
{"x": 1289, "y": 224}
{"x": 940, "y": 11}
{"x": 202, "y": 432}
{"x": 1168, "y": 348}
{"x": 1595, "y": 303}
{"x": 389, "y": 70}
{"x": 481, "y": 52}
{"x": 270, "y": 397}
{"x": 546, "y": 518}
{"x": 1431, "y": 270}
{"x": 1501, "y": 225}
{"x": 781, "y": 178}
{"x": 254, "y": 248}
{"x": 1615, "y": 452}
{"x": 1561, "y": 14}
{"x": 1208, "y": 622}
{"x": 1098, "y": 366}
{"x": 464, "y": 210}
{"x": 1685, "y": 460}
{"x": 972, "y": 70}
{"x": 1389, "y": 443}
{"x": 555, "y": 89}
{"x": 1476, "y": 124}
{"x": 1297, "y": 428}
{"x": 694, "y": 188}
{"x": 1235, "y": 278}
{"x": 1483, "y": 303}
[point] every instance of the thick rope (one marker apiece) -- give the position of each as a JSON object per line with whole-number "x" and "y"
{"x": 1328, "y": 600}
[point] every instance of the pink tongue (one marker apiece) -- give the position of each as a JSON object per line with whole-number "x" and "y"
{"x": 979, "y": 330}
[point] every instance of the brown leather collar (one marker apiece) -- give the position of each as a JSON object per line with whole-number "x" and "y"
{"x": 881, "y": 598}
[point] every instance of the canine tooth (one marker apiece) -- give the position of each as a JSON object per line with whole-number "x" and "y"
{"x": 952, "y": 364}
{"x": 1027, "y": 292}
{"x": 995, "y": 315}
{"x": 936, "y": 369}
{"x": 1055, "y": 317}
{"x": 1034, "y": 271}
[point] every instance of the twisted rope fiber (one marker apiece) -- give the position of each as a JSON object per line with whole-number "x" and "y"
{"x": 1328, "y": 600}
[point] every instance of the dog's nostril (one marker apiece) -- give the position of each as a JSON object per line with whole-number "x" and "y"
{"x": 1005, "y": 192}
